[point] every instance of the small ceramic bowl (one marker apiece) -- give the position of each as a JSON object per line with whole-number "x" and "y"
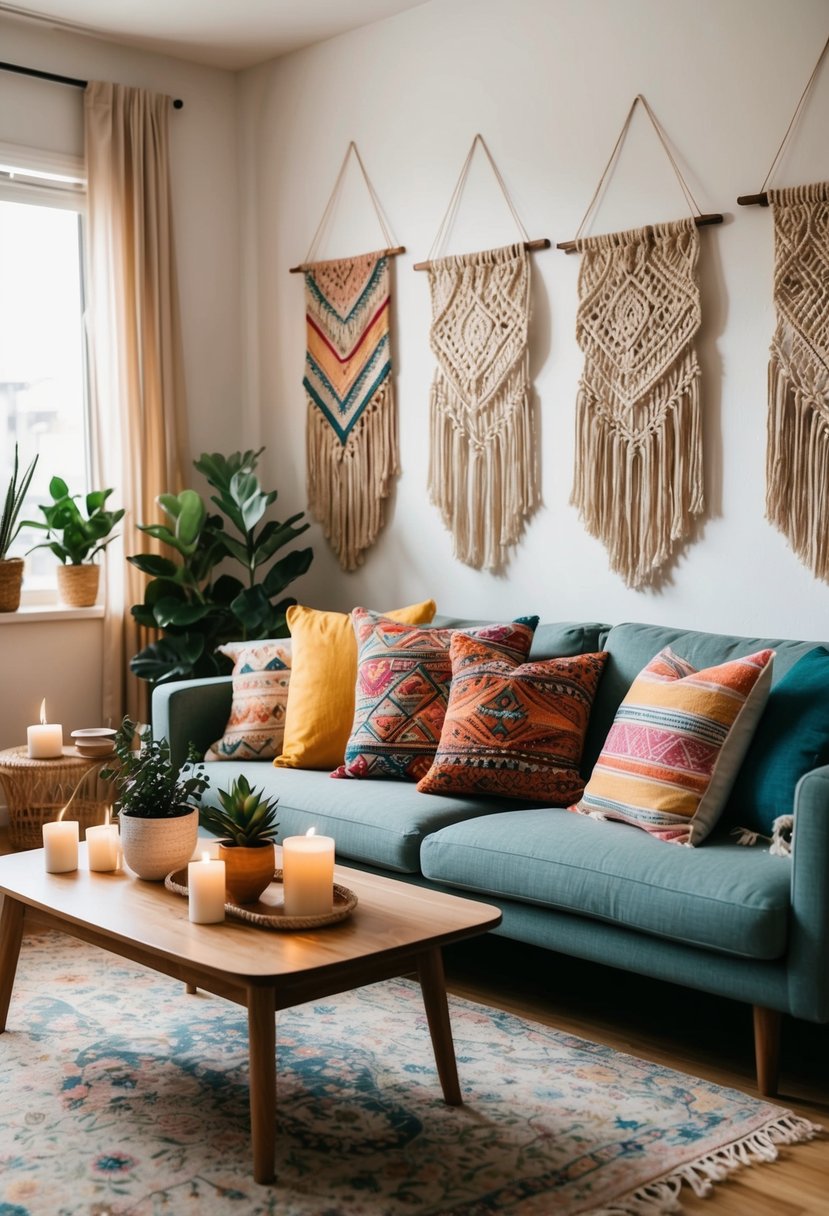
{"x": 94, "y": 741}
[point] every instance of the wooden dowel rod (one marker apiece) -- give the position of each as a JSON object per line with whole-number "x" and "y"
{"x": 701, "y": 221}
{"x": 380, "y": 253}
{"x": 753, "y": 200}
{"x": 543, "y": 242}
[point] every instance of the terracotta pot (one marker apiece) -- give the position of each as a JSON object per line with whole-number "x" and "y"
{"x": 155, "y": 847}
{"x": 11, "y": 581}
{"x": 78, "y": 585}
{"x": 247, "y": 870}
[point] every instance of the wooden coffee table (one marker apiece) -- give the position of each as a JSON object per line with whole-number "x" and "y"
{"x": 396, "y": 928}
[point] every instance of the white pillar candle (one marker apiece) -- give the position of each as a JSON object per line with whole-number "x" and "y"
{"x": 45, "y": 741}
{"x": 206, "y": 886}
{"x": 60, "y": 846}
{"x": 308, "y": 875}
{"x": 103, "y": 846}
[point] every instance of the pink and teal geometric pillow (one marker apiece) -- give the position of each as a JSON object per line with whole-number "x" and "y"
{"x": 403, "y": 678}
{"x": 256, "y": 726}
{"x": 676, "y": 745}
{"x": 514, "y": 729}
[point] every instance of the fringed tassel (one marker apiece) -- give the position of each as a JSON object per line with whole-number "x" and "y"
{"x": 797, "y": 454}
{"x": 348, "y": 483}
{"x": 483, "y": 470}
{"x": 638, "y": 484}
{"x": 661, "y": 1196}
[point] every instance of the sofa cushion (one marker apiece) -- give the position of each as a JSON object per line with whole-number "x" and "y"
{"x": 676, "y": 745}
{"x": 320, "y": 705}
{"x": 256, "y": 724}
{"x": 720, "y": 896}
{"x": 403, "y": 678}
{"x": 514, "y": 729}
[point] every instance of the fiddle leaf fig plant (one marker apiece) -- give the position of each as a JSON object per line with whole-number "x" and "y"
{"x": 73, "y": 537}
{"x": 197, "y": 607}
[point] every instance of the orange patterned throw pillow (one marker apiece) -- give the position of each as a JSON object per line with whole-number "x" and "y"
{"x": 676, "y": 745}
{"x": 514, "y": 729}
{"x": 261, "y": 674}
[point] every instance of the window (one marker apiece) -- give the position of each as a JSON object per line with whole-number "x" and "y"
{"x": 43, "y": 386}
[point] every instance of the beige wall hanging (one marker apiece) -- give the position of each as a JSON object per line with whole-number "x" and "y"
{"x": 483, "y": 453}
{"x": 638, "y": 482}
{"x": 797, "y": 452}
{"x": 351, "y": 429}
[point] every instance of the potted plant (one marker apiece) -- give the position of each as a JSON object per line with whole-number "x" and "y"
{"x": 11, "y": 568}
{"x": 156, "y": 804}
{"x": 75, "y": 539}
{"x": 246, "y": 823}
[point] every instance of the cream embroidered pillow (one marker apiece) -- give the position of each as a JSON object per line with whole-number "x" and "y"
{"x": 256, "y": 726}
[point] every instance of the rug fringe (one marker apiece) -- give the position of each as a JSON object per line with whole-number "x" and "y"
{"x": 662, "y": 1195}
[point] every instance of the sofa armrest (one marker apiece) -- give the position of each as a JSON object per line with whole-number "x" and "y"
{"x": 809, "y": 954}
{"x": 191, "y": 711}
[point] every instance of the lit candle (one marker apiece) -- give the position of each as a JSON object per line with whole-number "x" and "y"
{"x": 206, "y": 885}
{"x": 60, "y": 846}
{"x": 103, "y": 847}
{"x": 46, "y": 740}
{"x": 308, "y": 874}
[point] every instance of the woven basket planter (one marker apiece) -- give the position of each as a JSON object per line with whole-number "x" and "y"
{"x": 11, "y": 581}
{"x": 78, "y": 585}
{"x": 155, "y": 847}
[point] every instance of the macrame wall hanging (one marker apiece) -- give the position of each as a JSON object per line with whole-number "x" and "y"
{"x": 797, "y": 451}
{"x": 351, "y": 429}
{"x": 483, "y": 456}
{"x": 638, "y": 480}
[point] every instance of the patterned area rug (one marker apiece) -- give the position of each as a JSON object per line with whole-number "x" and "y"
{"x": 121, "y": 1094}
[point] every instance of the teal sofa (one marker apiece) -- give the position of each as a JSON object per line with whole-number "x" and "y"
{"x": 735, "y": 921}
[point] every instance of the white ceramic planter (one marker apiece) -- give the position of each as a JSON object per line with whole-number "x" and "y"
{"x": 155, "y": 847}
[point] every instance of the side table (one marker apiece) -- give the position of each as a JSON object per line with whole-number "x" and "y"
{"x": 36, "y": 790}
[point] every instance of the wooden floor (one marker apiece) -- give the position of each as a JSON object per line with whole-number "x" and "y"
{"x": 690, "y": 1031}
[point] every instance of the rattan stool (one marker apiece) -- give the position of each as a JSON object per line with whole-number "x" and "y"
{"x": 36, "y": 790}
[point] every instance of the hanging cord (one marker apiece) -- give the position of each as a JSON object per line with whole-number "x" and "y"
{"x": 794, "y": 119}
{"x": 663, "y": 139}
{"x": 449, "y": 215}
{"x": 334, "y": 198}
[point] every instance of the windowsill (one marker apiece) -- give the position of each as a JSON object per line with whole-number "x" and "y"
{"x": 31, "y": 613}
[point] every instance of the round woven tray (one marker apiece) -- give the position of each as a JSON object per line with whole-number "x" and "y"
{"x": 37, "y": 790}
{"x": 269, "y": 912}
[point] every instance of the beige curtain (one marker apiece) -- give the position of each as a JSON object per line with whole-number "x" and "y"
{"x": 136, "y": 373}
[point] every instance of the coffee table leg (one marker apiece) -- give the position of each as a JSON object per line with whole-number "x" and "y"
{"x": 262, "y": 1046}
{"x": 433, "y": 984}
{"x": 11, "y": 935}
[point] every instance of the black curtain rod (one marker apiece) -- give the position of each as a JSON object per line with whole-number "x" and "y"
{"x": 56, "y": 79}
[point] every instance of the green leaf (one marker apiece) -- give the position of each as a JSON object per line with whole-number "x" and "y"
{"x": 172, "y": 612}
{"x": 154, "y": 564}
{"x": 58, "y": 488}
{"x": 252, "y": 609}
{"x": 283, "y": 572}
{"x": 171, "y": 658}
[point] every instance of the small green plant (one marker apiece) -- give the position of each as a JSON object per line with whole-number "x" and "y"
{"x": 147, "y": 784}
{"x": 245, "y": 818}
{"x": 17, "y": 489}
{"x": 73, "y": 537}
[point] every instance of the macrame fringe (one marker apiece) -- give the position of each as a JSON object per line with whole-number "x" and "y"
{"x": 484, "y": 485}
{"x": 662, "y": 1195}
{"x": 780, "y": 841}
{"x": 638, "y": 497}
{"x": 348, "y": 483}
{"x": 797, "y": 453}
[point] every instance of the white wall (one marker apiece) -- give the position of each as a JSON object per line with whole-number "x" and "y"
{"x": 63, "y": 660}
{"x": 548, "y": 82}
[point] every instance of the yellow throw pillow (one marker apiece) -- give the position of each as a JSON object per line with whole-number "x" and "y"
{"x": 320, "y": 709}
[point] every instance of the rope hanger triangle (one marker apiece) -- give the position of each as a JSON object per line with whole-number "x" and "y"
{"x": 454, "y": 202}
{"x": 700, "y": 220}
{"x": 761, "y": 199}
{"x": 393, "y": 249}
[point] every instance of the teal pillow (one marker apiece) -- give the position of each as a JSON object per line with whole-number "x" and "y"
{"x": 792, "y": 737}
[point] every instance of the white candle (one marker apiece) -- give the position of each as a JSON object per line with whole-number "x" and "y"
{"x": 206, "y": 885}
{"x": 46, "y": 740}
{"x": 60, "y": 846}
{"x": 308, "y": 874}
{"x": 103, "y": 846}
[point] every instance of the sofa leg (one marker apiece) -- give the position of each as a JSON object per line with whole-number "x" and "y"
{"x": 767, "y": 1024}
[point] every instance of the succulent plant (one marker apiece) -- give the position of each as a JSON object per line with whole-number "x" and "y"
{"x": 245, "y": 818}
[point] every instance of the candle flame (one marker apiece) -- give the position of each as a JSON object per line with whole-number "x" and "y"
{"x": 205, "y": 857}
{"x": 43, "y": 712}
{"x": 311, "y": 832}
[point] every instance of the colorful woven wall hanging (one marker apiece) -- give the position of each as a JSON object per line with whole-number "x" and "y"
{"x": 351, "y": 430}
{"x": 638, "y": 482}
